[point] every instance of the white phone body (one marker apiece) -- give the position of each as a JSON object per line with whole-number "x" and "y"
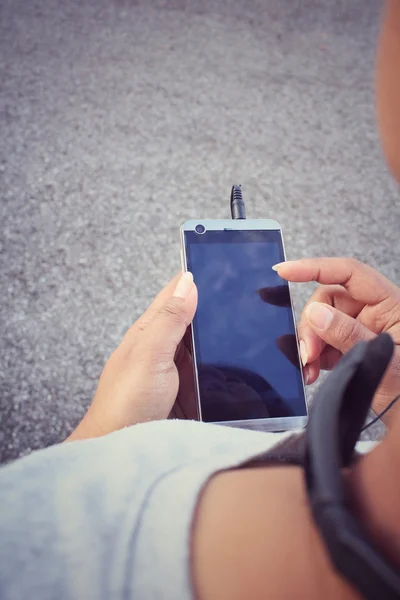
{"x": 275, "y": 423}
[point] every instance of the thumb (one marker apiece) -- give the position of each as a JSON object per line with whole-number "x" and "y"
{"x": 165, "y": 332}
{"x": 335, "y": 327}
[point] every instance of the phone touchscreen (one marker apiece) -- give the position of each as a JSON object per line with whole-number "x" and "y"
{"x": 244, "y": 337}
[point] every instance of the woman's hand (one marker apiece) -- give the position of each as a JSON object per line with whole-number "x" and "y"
{"x": 141, "y": 379}
{"x": 354, "y": 303}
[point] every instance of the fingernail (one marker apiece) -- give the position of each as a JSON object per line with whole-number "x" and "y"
{"x": 276, "y": 267}
{"x": 184, "y": 285}
{"x": 303, "y": 353}
{"x": 306, "y": 375}
{"x": 319, "y": 315}
{"x": 287, "y": 263}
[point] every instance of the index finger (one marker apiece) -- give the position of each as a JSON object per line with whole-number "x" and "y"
{"x": 361, "y": 281}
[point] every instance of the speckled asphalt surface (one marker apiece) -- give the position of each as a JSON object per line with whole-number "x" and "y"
{"x": 119, "y": 120}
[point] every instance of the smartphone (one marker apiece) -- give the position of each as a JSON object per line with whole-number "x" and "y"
{"x": 245, "y": 354}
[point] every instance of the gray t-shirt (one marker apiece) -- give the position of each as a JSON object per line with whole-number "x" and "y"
{"x": 111, "y": 517}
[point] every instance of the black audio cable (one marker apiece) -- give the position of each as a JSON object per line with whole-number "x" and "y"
{"x": 238, "y": 209}
{"x": 383, "y": 412}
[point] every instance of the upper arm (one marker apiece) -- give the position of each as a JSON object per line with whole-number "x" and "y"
{"x": 254, "y": 538}
{"x": 388, "y": 85}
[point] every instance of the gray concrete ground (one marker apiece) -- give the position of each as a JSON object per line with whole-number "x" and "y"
{"x": 120, "y": 119}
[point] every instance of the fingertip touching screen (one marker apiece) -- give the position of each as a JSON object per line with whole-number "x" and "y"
{"x": 243, "y": 331}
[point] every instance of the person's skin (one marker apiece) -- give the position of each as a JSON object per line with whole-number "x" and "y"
{"x": 253, "y": 533}
{"x": 141, "y": 380}
{"x": 388, "y": 86}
